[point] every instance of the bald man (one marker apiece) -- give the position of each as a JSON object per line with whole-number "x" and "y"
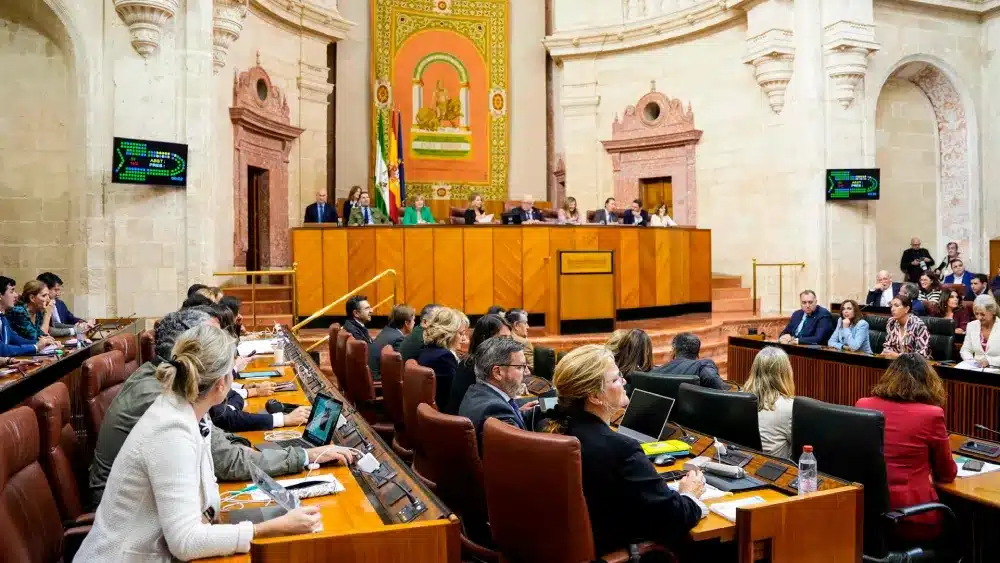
{"x": 528, "y": 212}
{"x": 321, "y": 211}
{"x": 915, "y": 261}
{"x": 883, "y": 291}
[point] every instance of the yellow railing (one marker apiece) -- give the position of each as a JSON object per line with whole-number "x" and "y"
{"x": 253, "y": 287}
{"x": 780, "y": 266}
{"x": 345, "y": 297}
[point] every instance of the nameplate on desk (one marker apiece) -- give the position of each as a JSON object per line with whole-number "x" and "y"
{"x": 586, "y": 262}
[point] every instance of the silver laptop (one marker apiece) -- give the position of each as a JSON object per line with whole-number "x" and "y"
{"x": 646, "y": 416}
{"x": 283, "y": 499}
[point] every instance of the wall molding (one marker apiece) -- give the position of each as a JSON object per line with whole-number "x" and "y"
{"x": 227, "y": 23}
{"x": 305, "y": 17}
{"x": 145, "y": 20}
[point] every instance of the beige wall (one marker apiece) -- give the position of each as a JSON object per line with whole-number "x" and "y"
{"x": 907, "y": 152}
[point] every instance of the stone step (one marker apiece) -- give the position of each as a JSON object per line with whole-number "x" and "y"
{"x": 732, "y": 305}
{"x": 267, "y": 308}
{"x": 263, "y": 293}
{"x": 723, "y": 281}
{"x": 719, "y": 293}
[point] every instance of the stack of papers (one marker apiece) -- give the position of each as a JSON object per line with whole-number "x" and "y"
{"x": 709, "y": 494}
{"x": 974, "y": 365}
{"x": 728, "y": 509}
{"x": 265, "y": 346}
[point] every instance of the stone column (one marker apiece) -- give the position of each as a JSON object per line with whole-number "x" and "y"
{"x": 580, "y": 102}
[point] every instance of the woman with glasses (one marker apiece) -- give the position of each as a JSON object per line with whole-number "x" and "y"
{"x": 627, "y": 499}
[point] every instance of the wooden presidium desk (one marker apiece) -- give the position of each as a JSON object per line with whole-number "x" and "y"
{"x": 358, "y": 523}
{"x": 471, "y": 268}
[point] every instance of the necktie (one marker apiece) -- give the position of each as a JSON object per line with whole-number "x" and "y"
{"x": 517, "y": 412}
{"x": 802, "y": 323}
{"x": 320, "y": 212}
{"x": 368, "y": 218}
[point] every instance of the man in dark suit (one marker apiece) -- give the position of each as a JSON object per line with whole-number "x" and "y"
{"x": 979, "y": 287}
{"x": 321, "y": 211}
{"x": 912, "y": 291}
{"x": 606, "y": 216}
{"x": 811, "y": 324}
{"x": 500, "y": 371}
{"x": 410, "y": 347}
{"x": 527, "y": 211}
{"x": 61, "y": 316}
{"x": 400, "y": 324}
{"x": 686, "y": 347}
{"x": 883, "y": 291}
{"x": 915, "y": 261}
{"x": 636, "y": 215}
{"x": 359, "y": 312}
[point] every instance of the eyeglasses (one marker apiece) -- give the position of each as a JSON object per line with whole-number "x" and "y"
{"x": 618, "y": 378}
{"x": 522, "y": 367}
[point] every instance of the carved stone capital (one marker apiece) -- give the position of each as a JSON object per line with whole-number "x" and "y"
{"x": 847, "y": 46}
{"x": 145, "y": 20}
{"x": 772, "y": 55}
{"x": 227, "y": 23}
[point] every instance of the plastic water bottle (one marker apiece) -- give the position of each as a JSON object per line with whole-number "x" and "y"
{"x": 808, "y": 471}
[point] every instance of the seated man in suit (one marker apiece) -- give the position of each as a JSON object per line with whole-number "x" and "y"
{"x": 400, "y": 324}
{"x": 321, "y": 211}
{"x": 811, "y": 324}
{"x": 883, "y": 291}
{"x": 912, "y": 291}
{"x": 364, "y": 214}
{"x": 607, "y": 216}
{"x": 359, "y": 312}
{"x": 61, "y": 315}
{"x": 979, "y": 285}
{"x": 527, "y": 212}
{"x": 500, "y": 371}
{"x": 410, "y": 347}
{"x": 686, "y": 347}
{"x": 636, "y": 215}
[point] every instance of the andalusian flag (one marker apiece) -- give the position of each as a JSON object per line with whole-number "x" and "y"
{"x": 381, "y": 170}
{"x": 395, "y": 188}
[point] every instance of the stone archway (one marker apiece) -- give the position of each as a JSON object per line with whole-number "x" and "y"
{"x": 262, "y": 139}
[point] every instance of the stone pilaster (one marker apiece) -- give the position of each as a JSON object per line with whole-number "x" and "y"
{"x": 770, "y": 48}
{"x": 579, "y": 102}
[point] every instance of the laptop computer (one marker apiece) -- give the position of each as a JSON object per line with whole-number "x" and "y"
{"x": 320, "y": 426}
{"x": 284, "y": 500}
{"x": 646, "y": 416}
{"x": 511, "y": 218}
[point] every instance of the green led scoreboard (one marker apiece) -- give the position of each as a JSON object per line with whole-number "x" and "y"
{"x": 149, "y": 162}
{"x": 845, "y": 184}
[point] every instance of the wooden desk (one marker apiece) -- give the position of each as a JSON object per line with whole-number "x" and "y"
{"x": 471, "y": 268}
{"x": 844, "y": 377}
{"x": 976, "y": 502}
{"x": 357, "y": 524}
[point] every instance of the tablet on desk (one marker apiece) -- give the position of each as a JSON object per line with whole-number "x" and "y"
{"x": 258, "y": 374}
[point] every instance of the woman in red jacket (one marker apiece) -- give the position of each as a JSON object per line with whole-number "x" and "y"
{"x": 911, "y": 396}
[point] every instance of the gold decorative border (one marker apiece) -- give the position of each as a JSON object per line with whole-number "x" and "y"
{"x": 485, "y": 23}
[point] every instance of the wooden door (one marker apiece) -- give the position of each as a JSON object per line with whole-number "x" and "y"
{"x": 258, "y": 219}
{"x": 656, "y": 191}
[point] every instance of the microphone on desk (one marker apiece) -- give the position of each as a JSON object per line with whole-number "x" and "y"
{"x": 990, "y": 430}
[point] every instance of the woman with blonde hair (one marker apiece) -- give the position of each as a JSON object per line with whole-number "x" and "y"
{"x": 213, "y": 294}
{"x": 633, "y": 350}
{"x": 771, "y": 381}
{"x": 444, "y": 336}
{"x": 162, "y": 501}
{"x": 569, "y": 214}
{"x": 627, "y": 499}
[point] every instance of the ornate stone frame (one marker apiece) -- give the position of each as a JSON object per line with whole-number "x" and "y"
{"x": 654, "y": 139}
{"x": 262, "y": 138}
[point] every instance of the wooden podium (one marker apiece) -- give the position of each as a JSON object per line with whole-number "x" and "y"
{"x": 586, "y": 287}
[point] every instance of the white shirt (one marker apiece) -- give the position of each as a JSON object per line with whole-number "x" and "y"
{"x": 776, "y": 428}
{"x": 159, "y": 491}
{"x": 887, "y": 296}
{"x": 656, "y": 221}
{"x": 278, "y": 418}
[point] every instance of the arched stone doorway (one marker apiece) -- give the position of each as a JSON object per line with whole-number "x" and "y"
{"x": 955, "y": 215}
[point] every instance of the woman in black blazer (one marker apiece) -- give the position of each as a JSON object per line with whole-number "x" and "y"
{"x": 627, "y": 500}
{"x": 443, "y": 336}
{"x": 352, "y": 200}
{"x": 475, "y": 210}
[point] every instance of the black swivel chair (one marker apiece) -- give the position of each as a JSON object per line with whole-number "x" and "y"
{"x": 727, "y": 415}
{"x": 942, "y": 337}
{"x": 661, "y": 384}
{"x": 545, "y": 363}
{"x": 848, "y": 444}
{"x": 876, "y": 331}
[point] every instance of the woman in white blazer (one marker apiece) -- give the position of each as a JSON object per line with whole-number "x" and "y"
{"x": 162, "y": 501}
{"x": 982, "y": 340}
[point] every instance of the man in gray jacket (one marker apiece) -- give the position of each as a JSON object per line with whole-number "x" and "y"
{"x": 686, "y": 347}
{"x": 231, "y": 460}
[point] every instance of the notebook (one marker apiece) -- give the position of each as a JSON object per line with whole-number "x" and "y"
{"x": 728, "y": 509}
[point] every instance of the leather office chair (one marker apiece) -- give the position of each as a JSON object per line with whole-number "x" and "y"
{"x": 102, "y": 377}
{"x": 876, "y": 331}
{"x": 456, "y": 215}
{"x": 942, "y": 337}
{"x": 450, "y": 443}
{"x": 32, "y": 528}
{"x": 392, "y": 400}
{"x": 848, "y": 443}
{"x": 128, "y": 345}
{"x": 727, "y": 415}
{"x": 147, "y": 346}
{"x": 419, "y": 386}
{"x": 63, "y": 456}
{"x": 545, "y": 363}
{"x": 361, "y": 389}
{"x": 340, "y": 367}
{"x": 552, "y": 463}
{"x": 660, "y": 383}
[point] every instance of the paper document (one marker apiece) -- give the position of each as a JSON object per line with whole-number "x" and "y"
{"x": 260, "y": 346}
{"x": 709, "y": 494}
{"x": 974, "y": 365}
{"x": 728, "y": 509}
{"x": 987, "y": 467}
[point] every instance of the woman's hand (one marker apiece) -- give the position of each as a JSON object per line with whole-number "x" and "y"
{"x": 890, "y": 354}
{"x": 846, "y": 322}
{"x": 693, "y": 483}
{"x": 983, "y": 363}
{"x": 302, "y": 520}
{"x": 241, "y": 363}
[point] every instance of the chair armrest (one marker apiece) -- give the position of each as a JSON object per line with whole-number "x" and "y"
{"x": 81, "y": 520}
{"x": 72, "y": 539}
{"x": 622, "y": 555}
{"x": 909, "y": 511}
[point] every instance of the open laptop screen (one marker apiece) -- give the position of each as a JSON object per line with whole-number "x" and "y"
{"x": 267, "y": 485}
{"x": 647, "y": 413}
{"x": 322, "y": 420}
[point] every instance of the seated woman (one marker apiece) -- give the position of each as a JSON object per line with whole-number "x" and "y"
{"x": 444, "y": 335}
{"x": 418, "y": 213}
{"x": 911, "y": 397}
{"x": 950, "y": 307}
{"x": 660, "y": 217}
{"x": 633, "y": 351}
{"x": 569, "y": 214}
{"x": 475, "y": 214}
{"x": 31, "y": 317}
{"x": 771, "y": 381}
{"x": 930, "y": 287}
{"x": 627, "y": 499}
{"x": 906, "y": 332}
{"x": 851, "y": 332}
{"x": 213, "y": 294}
{"x": 486, "y": 327}
{"x": 980, "y": 346}
{"x": 162, "y": 501}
